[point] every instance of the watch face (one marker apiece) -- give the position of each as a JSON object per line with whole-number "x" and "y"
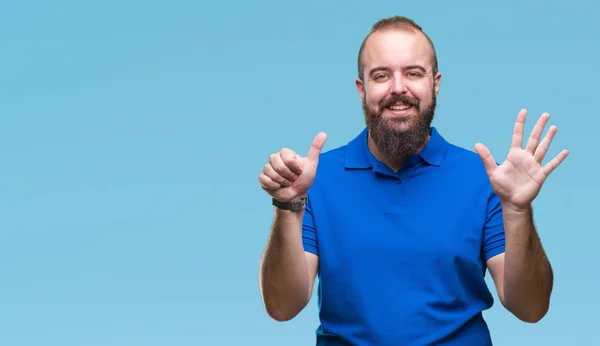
{"x": 299, "y": 205}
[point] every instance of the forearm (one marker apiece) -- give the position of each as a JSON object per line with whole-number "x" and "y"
{"x": 528, "y": 276}
{"x": 283, "y": 272}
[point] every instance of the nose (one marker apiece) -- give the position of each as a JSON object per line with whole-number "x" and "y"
{"x": 398, "y": 86}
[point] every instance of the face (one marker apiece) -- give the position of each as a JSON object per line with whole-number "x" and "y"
{"x": 399, "y": 91}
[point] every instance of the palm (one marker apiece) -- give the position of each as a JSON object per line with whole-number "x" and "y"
{"x": 520, "y": 177}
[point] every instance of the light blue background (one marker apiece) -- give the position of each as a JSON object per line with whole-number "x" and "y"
{"x": 132, "y": 134}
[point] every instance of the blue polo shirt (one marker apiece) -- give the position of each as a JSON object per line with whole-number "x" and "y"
{"x": 402, "y": 255}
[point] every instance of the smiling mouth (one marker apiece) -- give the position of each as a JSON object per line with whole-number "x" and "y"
{"x": 399, "y": 107}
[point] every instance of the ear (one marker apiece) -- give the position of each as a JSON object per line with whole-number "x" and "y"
{"x": 360, "y": 87}
{"x": 436, "y": 82}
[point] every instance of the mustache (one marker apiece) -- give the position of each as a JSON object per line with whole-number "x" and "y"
{"x": 407, "y": 100}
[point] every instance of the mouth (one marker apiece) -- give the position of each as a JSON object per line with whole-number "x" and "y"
{"x": 399, "y": 109}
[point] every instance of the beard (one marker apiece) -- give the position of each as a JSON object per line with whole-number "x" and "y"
{"x": 397, "y": 138}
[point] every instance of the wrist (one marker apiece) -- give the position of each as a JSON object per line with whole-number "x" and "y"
{"x": 288, "y": 217}
{"x": 294, "y": 205}
{"x": 516, "y": 210}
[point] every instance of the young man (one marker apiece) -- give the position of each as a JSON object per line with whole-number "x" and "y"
{"x": 401, "y": 225}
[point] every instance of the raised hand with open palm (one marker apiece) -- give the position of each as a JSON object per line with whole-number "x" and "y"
{"x": 518, "y": 180}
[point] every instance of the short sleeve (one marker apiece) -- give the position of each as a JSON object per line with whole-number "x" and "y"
{"x": 493, "y": 231}
{"x": 309, "y": 232}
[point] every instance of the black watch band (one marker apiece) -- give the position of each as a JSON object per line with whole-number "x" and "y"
{"x": 296, "y": 205}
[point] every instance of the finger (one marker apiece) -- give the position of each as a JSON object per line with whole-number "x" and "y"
{"x": 486, "y": 157}
{"x": 268, "y": 183}
{"x": 542, "y": 149}
{"x": 555, "y": 162}
{"x": 281, "y": 168}
{"x": 270, "y": 172}
{"x": 536, "y": 133}
{"x": 519, "y": 129}
{"x": 292, "y": 161}
{"x": 316, "y": 147}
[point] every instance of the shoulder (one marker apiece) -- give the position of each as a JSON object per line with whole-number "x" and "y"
{"x": 333, "y": 157}
{"x": 352, "y": 154}
{"x": 468, "y": 170}
{"x": 464, "y": 159}
{"x": 462, "y": 155}
{"x": 332, "y": 172}
{"x": 331, "y": 163}
{"x": 469, "y": 179}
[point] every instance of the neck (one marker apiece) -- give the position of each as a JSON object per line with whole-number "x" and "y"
{"x": 394, "y": 163}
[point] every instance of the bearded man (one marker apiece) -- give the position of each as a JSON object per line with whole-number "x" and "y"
{"x": 399, "y": 225}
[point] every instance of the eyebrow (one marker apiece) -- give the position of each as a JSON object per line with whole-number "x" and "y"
{"x": 418, "y": 67}
{"x": 377, "y": 69}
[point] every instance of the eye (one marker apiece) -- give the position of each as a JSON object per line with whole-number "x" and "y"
{"x": 414, "y": 74}
{"x": 380, "y": 77}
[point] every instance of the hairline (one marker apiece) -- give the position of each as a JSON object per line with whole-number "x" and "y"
{"x": 402, "y": 27}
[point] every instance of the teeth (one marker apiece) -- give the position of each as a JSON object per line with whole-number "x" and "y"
{"x": 399, "y": 108}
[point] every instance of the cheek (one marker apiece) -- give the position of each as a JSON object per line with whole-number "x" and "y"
{"x": 423, "y": 92}
{"x": 375, "y": 94}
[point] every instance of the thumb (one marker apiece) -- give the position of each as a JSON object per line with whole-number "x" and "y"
{"x": 486, "y": 157}
{"x": 316, "y": 147}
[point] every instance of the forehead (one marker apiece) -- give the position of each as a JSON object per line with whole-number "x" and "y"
{"x": 397, "y": 48}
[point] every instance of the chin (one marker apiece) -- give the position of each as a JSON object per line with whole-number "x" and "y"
{"x": 403, "y": 119}
{"x": 401, "y": 124}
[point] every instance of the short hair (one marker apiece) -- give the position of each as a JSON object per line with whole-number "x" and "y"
{"x": 400, "y": 23}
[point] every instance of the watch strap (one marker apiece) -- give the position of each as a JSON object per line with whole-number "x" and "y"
{"x": 296, "y": 205}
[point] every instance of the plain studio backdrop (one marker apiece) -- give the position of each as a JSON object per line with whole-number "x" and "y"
{"x": 132, "y": 135}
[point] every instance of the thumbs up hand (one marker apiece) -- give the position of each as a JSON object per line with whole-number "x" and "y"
{"x": 288, "y": 176}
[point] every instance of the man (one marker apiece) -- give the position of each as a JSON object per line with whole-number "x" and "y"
{"x": 401, "y": 225}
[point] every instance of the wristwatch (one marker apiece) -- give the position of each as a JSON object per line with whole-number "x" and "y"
{"x": 296, "y": 205}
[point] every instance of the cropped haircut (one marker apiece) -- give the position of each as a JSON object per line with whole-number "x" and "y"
{"x": 395, "y": 23}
